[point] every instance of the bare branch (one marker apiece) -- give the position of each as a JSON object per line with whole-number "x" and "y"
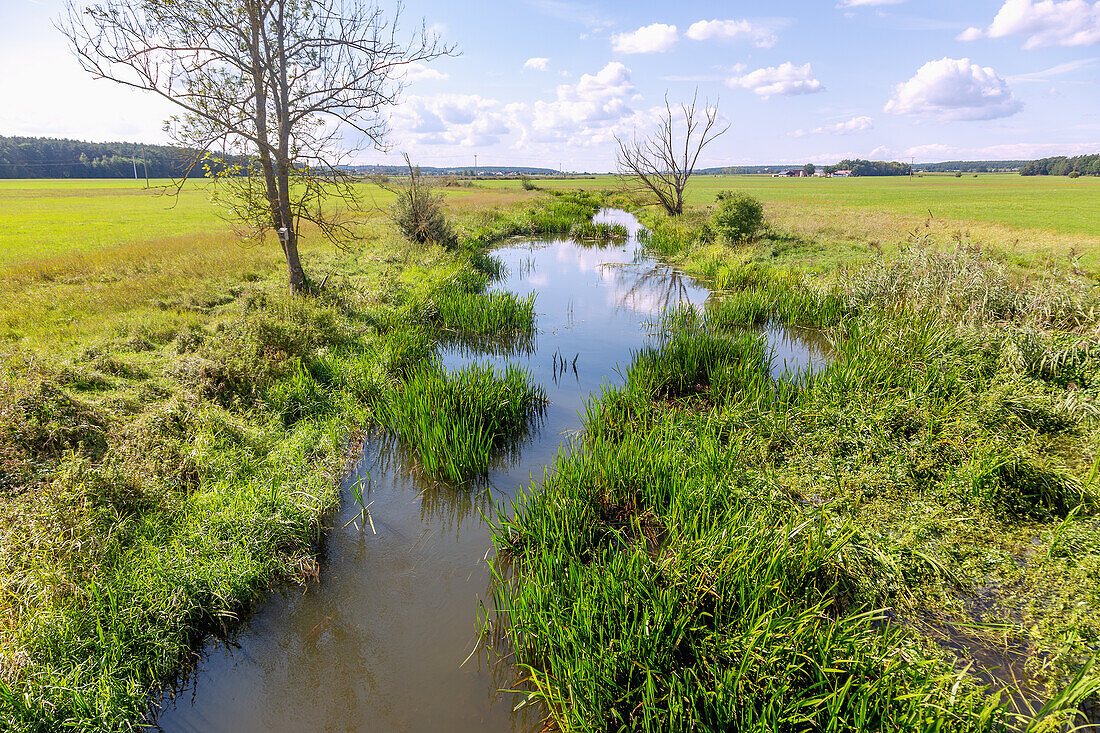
{"x": 656, "y": 164}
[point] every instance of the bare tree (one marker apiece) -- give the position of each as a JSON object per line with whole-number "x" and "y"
{"x": 659, "y": 164}
{"x": 267, "y": 91}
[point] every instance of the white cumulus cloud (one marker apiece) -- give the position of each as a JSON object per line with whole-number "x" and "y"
{"x": 1011, "y": 151}
{"x": 647, "y": 39}
{"x": 537, "y": 63}
{"x": 954, "y": 89}
{"x": 586, "y": 113}
{"x": 848, "y": 127}
{"x": 704, "y": 30}
{"x": 419, "y": 72}
{"x": 785, "y": 79}
{"x": 1044, "y": 23}
{"x": 451, "y": 119}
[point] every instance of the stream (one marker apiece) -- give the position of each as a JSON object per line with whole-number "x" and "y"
{"x": 380, "y": 642}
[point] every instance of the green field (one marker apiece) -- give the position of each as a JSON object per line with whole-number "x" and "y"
{"x": 1049, "y": 203}
{"x": 42, "y": 218}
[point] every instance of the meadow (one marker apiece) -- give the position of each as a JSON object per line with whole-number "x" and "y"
{"x": 794, "y": 556}
{"x": 843, "y": 220}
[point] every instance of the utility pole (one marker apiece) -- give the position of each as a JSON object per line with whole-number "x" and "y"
{"x": 133, "y": 159}
{"x": 145, "y": 165}
{"x": 475, "y": 165}
{"x": 912, "y": 161}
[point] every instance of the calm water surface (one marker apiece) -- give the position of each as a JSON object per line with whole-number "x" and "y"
{"x": 387, "y": 639}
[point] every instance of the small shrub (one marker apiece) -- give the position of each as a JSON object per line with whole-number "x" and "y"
{"x": 418, "y": 212}
{"x": 1075, "y": 174}
{"x": 527, "y": 183}
{"x": 740, "y": 217}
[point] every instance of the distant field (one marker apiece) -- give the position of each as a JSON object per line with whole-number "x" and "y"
{"x": 1034, "y": 220}
{"x": 44, "y": 218}
{"x": 41, "y": 218}
{"x": 1027, "y": 217}
{"x": 1054, "y": 203}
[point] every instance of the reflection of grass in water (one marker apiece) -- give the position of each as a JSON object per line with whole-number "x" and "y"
{"x": 472, "y": 345}
{"x": 364, "y": 508}
{"x": 456, "y": 421}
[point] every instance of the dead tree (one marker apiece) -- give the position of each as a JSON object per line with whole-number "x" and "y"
{"x": 660, "y": 165}
{"x": 268, "y": 92}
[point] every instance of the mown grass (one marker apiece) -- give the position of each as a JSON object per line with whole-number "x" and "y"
{"x": 171, "y": 441}
{"x": 900, "y": 506}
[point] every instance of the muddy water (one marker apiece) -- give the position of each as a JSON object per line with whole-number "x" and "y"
{"x": 379, "y": 643}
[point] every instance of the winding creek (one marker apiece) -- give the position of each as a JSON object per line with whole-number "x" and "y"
{"x": 380, "y": 642}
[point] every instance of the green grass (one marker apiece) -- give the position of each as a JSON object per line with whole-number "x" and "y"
{"x": 458, "y": 421}
{"x": 662, "y": 576}
{"x": 589, "y": 231}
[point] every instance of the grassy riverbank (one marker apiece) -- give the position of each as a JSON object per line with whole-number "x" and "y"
{"x": 815, "y": 555}
{"x": 721, "y": 553}
{"x": 169, "y": 451}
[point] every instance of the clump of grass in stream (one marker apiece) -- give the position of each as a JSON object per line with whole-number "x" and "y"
{"x": 556, "y": 213}
{"x": 487, "y": 315}
{"x": 702, "y": 362}
{"x": 457, "y": 421}
{"x": 602, "y": 232}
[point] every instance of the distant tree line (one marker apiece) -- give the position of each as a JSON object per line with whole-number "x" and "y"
{"x": 42, "y": 157}
{"x": 1082, "y": 165}
{"x": 860, "y": 167}
{"x": 971, "y": 166}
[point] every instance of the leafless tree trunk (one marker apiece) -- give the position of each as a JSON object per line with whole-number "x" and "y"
{"x": 267, "y": 90}
{"x": 659, "y": 164}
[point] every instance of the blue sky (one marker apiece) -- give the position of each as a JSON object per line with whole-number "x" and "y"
{"x": 549, "y": 82}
